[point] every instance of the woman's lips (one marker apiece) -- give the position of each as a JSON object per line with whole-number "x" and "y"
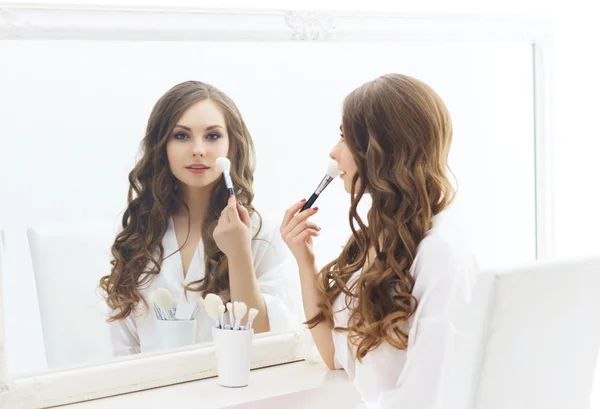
{"x": 197, "y": 171}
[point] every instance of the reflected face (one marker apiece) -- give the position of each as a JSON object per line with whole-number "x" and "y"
{"x": 346, "y": 164}
{"x": 196, "y": 141}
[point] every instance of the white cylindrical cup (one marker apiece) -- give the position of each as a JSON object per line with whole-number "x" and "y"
{"x": 176, "y": 333}
{"x": 232, "y": 350}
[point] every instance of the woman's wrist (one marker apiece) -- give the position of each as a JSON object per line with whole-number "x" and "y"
{"x": 240, "y": 255}
{"x": 309, "y": 264}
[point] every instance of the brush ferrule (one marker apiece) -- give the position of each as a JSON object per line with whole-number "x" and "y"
{"x": 326, "y": 181}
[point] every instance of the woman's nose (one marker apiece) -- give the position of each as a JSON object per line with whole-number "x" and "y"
{"x": 333, "y": 153}
{"x": 199, "y": 149}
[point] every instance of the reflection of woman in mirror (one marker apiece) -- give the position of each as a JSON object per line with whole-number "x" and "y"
{"x": 181, "y": 230}
{"x": 390, "y": 307}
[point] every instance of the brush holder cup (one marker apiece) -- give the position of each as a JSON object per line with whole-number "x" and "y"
{"x": 232, "y": 352}
{"x": 176, "y": 333}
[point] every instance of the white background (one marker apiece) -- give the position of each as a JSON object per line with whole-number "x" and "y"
{"x": 576, "y": 86}
{"x": 67, "y": 150}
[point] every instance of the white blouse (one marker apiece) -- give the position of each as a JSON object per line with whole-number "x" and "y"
{"x": 275, "y": 270}
{"x": 445, "y": 273}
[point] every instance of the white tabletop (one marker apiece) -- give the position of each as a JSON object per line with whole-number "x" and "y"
{"x": 295, "y": 385}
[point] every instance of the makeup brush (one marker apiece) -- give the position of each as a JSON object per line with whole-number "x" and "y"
{"x": 197, "y": 307}
{"x": 224, "y": 165}
{"x": 164, "y": 300}
{"x": 211, "y": 305}
{"x": 222, "y": 315}
{"x": 239, "y": 310}
{"x": 230, "y": 311}
{"x": 332, "y": 173}
{"x": 188, "y": 306}
{"x": 174, "y": 303}
{"x": 155, "y": 307}
{"x": 251, "y": 315}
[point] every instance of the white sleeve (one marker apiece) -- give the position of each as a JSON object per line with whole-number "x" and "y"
{"x": 437, "y": 324}
{"x": 279, "y": 283}
{"x": 123, "y": 337}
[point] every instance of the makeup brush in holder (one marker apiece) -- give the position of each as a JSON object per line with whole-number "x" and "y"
{"x": 174, "y": 329}
{"x": 233, "y": 341}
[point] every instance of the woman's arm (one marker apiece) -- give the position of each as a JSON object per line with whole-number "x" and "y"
{"x": 298, "y": 233}
{"x": 311, "y": 297}
{"x": 233, "y": 236}
{"x": 243, "y": 286}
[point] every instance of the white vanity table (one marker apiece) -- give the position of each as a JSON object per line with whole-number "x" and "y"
{"x": 296, "y": 385}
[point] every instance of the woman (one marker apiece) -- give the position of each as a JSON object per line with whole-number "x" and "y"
{"x": 388, "y": 308}
{"x": 182, "y": 232}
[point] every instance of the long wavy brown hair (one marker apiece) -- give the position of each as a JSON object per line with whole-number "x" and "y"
{"x": 399, "y": 132}
{"x": 153, "y": 195}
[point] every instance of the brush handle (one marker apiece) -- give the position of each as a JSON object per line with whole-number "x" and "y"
{"x": 309, "y": 202}
{"x": 195, "y": 312}
{"x": 158, "y": 312}
{"x": 228, "y": 183}
{"x": 249, "y": 324}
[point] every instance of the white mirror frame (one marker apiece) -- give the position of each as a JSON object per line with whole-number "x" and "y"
{"x": 129, "y": 374}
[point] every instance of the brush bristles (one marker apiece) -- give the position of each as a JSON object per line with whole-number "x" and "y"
{"x": 223, "y": 164}
{"x": 211, "y": 305}
{"x": 239, "y": 311}
{"x": 252, "y": 314}
{"x": 163, "y": 298}
{"x": 332, "y": 169}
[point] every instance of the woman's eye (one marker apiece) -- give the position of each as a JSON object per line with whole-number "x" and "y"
{"x": 180, "y": 135}
{"x": 213, "y": 136}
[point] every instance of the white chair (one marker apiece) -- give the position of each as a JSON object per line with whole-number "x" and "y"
{"x": 543, "y": 336}
{"x": 68, "y": 262}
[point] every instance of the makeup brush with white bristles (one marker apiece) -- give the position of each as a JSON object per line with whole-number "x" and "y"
{"x": 224, "y": 165}
{"x": 239, "y": 310}
{"x": 163, "y": 299}
{"x": 230, "y": 311}
{"x": 251, "y": 315}
{"x": 332, "y": 173}
{"x": 211, "y": 305}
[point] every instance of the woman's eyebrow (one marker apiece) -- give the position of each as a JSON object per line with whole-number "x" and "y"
{"x": 208, "y": 128}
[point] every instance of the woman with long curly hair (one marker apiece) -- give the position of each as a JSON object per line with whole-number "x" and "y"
{"x": 389, "y": 307}
{"x": 181, "y": 230}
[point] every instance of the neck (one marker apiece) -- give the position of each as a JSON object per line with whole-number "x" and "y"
{"x": 198, "y": 201}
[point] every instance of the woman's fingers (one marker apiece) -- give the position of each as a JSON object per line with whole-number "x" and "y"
{"x": 300, "y": 227}
{"x": 297, "y": 219}
{"x": 305, "y": 235}
{"x": 231, "y": 210}
{"x": 244, "y": 215}
{"x": 289, "y": 213}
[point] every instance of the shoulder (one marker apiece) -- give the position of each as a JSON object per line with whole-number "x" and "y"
{"x": 444, "y": 256}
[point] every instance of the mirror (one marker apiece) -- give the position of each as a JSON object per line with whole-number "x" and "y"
{"x": 74, "y": 114}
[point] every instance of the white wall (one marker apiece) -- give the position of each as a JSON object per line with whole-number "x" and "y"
{"x": 71, "y": 127}
{"x": 576, "y": 84}
{"x": 577, "y": 138}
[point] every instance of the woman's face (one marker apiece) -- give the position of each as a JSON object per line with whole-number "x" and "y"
{"x": 196, "y": 141}
{"x": 346, "y": 164}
